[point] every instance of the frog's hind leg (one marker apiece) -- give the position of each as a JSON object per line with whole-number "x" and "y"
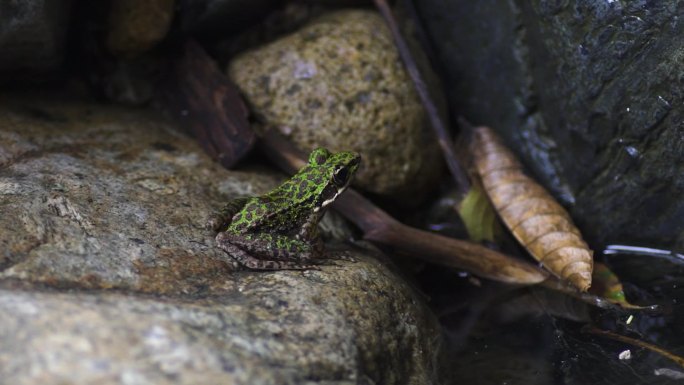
{"x": 221, "y": 219}
{"x": 253, "y": 255}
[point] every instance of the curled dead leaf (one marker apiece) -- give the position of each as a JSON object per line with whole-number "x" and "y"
{"x": 536, "y": 220}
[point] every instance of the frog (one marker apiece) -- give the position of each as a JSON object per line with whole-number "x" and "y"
{"x": 279, "y": 230}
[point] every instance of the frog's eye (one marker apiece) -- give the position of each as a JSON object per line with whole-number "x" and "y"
{"x": 319, "y": 156}
{"x": 341, "y": 176}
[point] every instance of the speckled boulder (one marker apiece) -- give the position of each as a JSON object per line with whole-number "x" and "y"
{"x": 338, "y": 82}
{"x": 137, "y": 26}
{"x": 108, "y": 276}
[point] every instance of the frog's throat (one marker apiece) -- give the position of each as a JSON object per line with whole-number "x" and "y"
{"x": 329, "y": 200}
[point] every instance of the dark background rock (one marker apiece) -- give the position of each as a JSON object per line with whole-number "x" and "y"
{"x": 588, "y": 93}
{"x": 32, "y": 34}
{"x": 216, "y": 18}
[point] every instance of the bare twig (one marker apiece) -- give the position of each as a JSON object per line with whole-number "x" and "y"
{"x": 632, "y": 341}
{"x": 458, "y": 173}
{"x": 380, "y": 227}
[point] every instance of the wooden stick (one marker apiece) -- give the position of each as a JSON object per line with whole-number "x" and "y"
{"x": 632, "y": 341}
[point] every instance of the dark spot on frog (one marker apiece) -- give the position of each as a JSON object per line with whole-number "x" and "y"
{"x": 280, "y": 202}
{"x": 164, "y": 147}
{"x": 293, "y": 89}
{"x": 137, "y": 241}
{"x": 248, "y": 215}
{"x": 282, "y": 303}
{"x": 320, "y": 159}
{"x": 303, "y": 185}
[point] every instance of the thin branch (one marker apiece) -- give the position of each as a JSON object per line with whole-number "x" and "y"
{"x": 632, "y": 341}
{"x": 445, "y": 142}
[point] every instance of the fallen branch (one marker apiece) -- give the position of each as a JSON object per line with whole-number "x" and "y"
{"x": 634, "y": 342}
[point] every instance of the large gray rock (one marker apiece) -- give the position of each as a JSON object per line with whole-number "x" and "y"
{"x": 98, "y": 198}
{"x": 588, "y": 93}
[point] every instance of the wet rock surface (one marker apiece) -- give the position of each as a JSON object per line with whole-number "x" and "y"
{"x": 588, "y": 93}
{"x": 108, "y": 276}
{"x": 338, "y": 82}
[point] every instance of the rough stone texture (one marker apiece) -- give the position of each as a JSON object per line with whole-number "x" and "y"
{"x": 338, "y": 82}
{"x": 32, "y": 34}
{"x": 588, "y": 93}
{"x": 96, "y": 198}
{"x": 107, "y": 187}
{"x": 137, "y": 26}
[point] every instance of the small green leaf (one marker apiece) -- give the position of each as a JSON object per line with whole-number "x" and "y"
{"x": 478, "y": 215}
{"x": 607, "y": 285}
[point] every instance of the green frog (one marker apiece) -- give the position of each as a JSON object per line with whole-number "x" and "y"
{"x": 279, "y": 230}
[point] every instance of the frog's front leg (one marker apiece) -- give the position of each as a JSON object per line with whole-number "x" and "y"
{"x": 221, "y": 219}
{"x": 270, "y": 252}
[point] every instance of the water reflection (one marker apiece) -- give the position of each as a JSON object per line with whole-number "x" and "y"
{"x": 499, "y": 334}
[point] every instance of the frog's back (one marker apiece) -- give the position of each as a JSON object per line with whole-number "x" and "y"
{"x": 263, "y": 213}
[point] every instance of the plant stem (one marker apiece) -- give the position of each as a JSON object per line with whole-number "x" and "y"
{"x": 443, "y": 137}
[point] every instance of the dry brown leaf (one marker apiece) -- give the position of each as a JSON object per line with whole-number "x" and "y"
{"x": 536, "y": 220}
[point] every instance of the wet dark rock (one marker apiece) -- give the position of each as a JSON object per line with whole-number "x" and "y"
{"x": 108, "y": 276}
{"x": 32, "y": 35}
{"x": 588, "y": 93}
{"x": 217, "y": 18}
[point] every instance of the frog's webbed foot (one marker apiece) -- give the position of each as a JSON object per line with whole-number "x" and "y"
{"x": 221, "y": 219}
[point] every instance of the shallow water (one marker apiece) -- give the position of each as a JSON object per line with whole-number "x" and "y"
{"x": 498, "y": 334}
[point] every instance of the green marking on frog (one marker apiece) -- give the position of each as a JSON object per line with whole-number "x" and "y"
{"x": 279, "y": 230}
